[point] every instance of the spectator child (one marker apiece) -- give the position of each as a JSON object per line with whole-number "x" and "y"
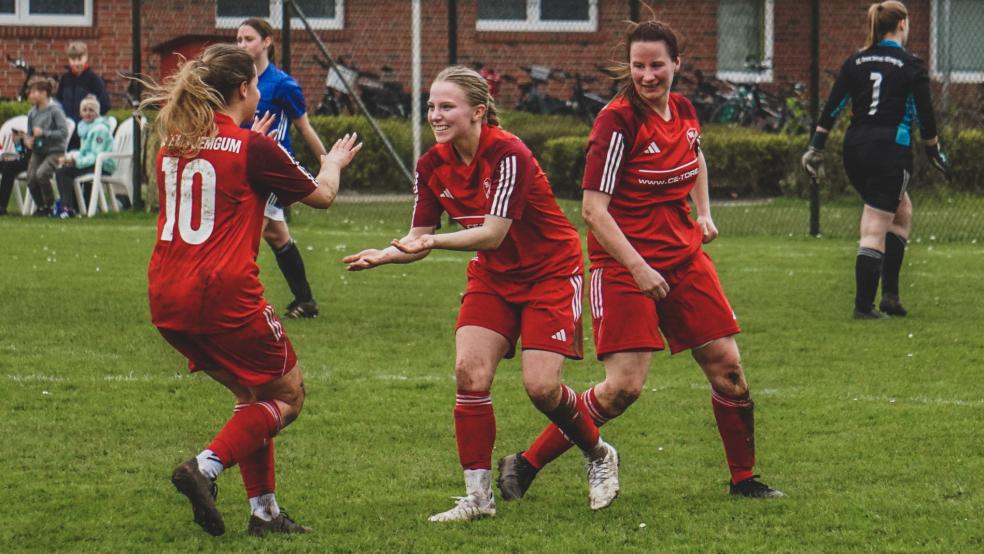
{"x": 96, "y": 137}
{"x": 47, "y": 132}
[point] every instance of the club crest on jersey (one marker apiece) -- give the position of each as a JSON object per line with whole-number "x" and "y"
{"x": 692, "y": 136}
{"x": 487, "y": 187}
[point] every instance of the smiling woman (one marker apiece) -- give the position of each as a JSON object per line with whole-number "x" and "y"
{"x": 525, "y": 283}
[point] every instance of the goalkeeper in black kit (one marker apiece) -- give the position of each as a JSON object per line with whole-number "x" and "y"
{"x": 889, "y": 92}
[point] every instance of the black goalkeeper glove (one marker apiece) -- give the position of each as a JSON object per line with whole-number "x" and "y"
{"x": 939, "y": 160}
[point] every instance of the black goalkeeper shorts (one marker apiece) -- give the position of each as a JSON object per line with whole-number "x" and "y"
{"x": 879, "y": 171}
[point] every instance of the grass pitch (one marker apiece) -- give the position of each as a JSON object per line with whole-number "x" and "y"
{"x": 873, "y": 429}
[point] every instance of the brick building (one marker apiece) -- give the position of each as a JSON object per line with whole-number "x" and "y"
{"x": 571, "y": 35}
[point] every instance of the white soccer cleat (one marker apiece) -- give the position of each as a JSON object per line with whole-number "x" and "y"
{"x": 477, "y": 503}
{"x": 468, "y": 508}
{"x": 603, "y": 477}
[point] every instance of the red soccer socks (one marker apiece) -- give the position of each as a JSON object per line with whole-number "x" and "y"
{"x": 736, "y": 423}
{"x": 552, "y": 442}
{"x": 257, "y": 469}
{"x": 250, "y": 429}
{"x": 474, "y": 429}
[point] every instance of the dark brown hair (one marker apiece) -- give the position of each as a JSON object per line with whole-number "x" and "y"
{"x": 40, "y": 82}
{"x": 190, "y": 97}
{"x": 645, "y": 31}
{"x": 265, "y": 30}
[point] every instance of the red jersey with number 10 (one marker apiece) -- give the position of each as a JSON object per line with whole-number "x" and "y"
{"x": 203, "y": 276}
{"x": 648, "y": 165}
{"x": 503, "y": 180}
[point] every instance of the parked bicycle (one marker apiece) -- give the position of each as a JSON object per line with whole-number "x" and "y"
{"x": 29, "y": 71}
{"x": 382, "y": 94}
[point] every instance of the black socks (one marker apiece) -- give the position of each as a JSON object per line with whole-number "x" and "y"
{"x": 292, "y": 266}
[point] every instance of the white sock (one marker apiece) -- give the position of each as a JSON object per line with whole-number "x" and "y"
{"x": 478, "y": 483}
{"x": 264, "y": 506}
{"x": 209, "y": 464}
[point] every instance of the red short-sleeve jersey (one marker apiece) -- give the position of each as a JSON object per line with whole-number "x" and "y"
{"x": 506, "y": 181}
{"x": 649, "y": 167}
{"x": 203, "y": 276}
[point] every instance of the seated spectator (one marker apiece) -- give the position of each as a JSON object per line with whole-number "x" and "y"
{"x": 47, "y": 133}
{"x": 78, "y": 82}
{"x": 95, "y": 137}
{"x": 12, "y": 163}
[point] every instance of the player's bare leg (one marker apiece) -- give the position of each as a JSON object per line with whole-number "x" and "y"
{"x": 625, "y": 377}
{"x": 264, "y": 411}
{"x": 477, "y": 353}
{"x": 542, "y": 379}
{"x": 734, "y": 412}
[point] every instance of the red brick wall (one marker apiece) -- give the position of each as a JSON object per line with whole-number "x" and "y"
{"x": 377, "y": 32}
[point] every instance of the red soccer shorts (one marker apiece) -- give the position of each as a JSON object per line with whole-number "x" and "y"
{"x": 546, "y": 314}
{"x": 256, "y": 353}
{"x": 695, "y": 312}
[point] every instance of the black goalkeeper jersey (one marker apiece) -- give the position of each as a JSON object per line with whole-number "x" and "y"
{"x": 889, "y": 91}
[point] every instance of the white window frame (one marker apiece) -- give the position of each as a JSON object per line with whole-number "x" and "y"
{"x": 765, "y": 75}
{"x": 534, "y": 23}
{"x": 317, "y": 23}
{"x": 22, "y": 17}
{"x": 934, "y": 36}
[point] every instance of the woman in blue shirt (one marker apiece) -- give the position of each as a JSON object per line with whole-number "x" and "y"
{"x": 282, "y": 97}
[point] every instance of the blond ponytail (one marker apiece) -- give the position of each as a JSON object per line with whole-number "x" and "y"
{"x": 189, "y": 99}
{"x": 883, "y": 18}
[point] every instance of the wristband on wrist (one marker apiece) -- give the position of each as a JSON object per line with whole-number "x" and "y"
{"x": 819, "y": 140}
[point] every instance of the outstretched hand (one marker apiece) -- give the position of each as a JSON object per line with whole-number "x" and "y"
{"x": 367, "y": 259}
{"x": 262, "y": 124}
{"x": 420, "y": 244}
{"x": 343, "y": 151}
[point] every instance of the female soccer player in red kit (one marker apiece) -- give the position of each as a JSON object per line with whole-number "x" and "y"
{"x": 648, "y": 271}
{"x": 526, "y": 281}
{"x": 205, "y": 295}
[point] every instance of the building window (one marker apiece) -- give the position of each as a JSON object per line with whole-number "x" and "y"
{"x": 321, "y": 14}
{"x": 744, "y": 40}
{"x": 538, "y": 15}
{"x": 48, "y": 13}
{"x": 957, "y": 43}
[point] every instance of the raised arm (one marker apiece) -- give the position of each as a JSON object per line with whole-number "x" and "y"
{"x": 330, "y": 175}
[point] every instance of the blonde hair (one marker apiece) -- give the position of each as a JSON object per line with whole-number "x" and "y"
{"x": 475, "y": 87}
{"x": 883, "y": 18}
{"x": 190, "y": 97}
{"x": 91, "y": 101}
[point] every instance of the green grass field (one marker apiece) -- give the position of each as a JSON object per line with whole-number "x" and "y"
{"x": 873, "y": 429}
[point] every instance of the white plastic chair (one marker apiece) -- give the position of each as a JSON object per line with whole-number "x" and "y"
{"x": 17, "y": 123}
{"x": 120, "y": 182}
{"x": 25, "y": 201}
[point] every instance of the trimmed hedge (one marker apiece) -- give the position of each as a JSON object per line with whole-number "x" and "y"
{"x": 741, "y": 162}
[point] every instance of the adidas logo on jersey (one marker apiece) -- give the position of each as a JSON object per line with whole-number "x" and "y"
{"x": 447, "y": 194}
{"x": 559, "y": 335}
{"x": 652, "y": 148}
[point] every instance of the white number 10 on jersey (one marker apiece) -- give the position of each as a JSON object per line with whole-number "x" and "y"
{"x": 206, "y": 210}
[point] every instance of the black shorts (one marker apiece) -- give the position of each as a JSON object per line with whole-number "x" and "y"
{"x": 879, "y": 171}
